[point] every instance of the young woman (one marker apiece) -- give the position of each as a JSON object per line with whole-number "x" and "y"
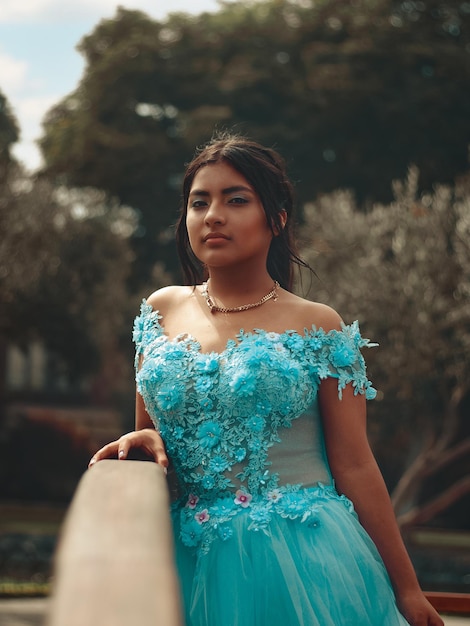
{"x": 258, "y": 398}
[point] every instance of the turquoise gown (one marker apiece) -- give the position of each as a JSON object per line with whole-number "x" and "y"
{"x": 262, "y": 537}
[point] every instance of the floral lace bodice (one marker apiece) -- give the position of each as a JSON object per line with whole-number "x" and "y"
{"x": 242, "y": 427}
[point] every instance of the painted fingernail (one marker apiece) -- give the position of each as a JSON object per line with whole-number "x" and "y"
{"x": 165, "y": 469}
{"x": 121, "y": 453}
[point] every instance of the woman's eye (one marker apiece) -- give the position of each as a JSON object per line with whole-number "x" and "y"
{"x": 238, "y": 200}
{"x": 197, "y": 204}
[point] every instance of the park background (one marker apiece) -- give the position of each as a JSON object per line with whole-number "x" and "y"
{"x": 369, "y": 101}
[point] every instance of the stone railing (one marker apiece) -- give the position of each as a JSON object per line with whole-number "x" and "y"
{"x": 114, "y": 563}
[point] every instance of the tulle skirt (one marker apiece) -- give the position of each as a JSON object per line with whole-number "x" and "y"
{"x": 294, "y": 574}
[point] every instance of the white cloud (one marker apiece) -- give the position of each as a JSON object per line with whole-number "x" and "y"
{"x": 29, "y": 154}
{"x": 54, "y": 11}
{"x": 14, "y": 73}
{"x": 31, "y": 112}
{"x": 12, "y": 10}
{"x": 16, "y": 84}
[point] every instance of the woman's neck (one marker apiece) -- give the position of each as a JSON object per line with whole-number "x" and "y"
{"x": 235, "y": 288}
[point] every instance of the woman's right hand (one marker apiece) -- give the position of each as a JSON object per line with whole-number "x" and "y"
{"x": 148, "y": 440}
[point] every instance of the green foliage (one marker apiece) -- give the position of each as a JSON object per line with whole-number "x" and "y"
{"x": 404, "y": 269}
{"x": 9, "y": 134}
{"x": 351, "y": 92}
{"x": 64, "y": 262}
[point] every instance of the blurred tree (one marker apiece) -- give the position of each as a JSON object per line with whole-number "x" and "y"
{"x": 405, "y": 270}
{"x": 9, "y": 134}
{"x": 64, "y": 262}
{"x": 352, "y": 92}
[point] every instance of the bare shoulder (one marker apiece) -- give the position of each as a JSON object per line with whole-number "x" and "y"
{"x": 165, "y": 299}
{"x": 307, "y": 314}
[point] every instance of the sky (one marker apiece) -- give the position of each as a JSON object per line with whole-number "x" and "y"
{"x": 39, "y": 64}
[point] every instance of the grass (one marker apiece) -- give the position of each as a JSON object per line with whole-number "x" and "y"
{"x": 33, "y": 520}
{"x": 23, "y": 589}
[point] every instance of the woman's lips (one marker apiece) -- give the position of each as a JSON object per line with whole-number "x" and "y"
{"x": 215, "y": 238}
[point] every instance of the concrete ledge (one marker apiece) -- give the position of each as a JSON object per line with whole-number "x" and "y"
{"x": 114, "y": 564}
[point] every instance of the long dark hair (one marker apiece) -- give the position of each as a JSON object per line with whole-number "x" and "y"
{"x": 265, "y": 170}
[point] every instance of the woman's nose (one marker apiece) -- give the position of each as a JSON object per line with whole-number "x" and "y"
{"x": 215, "y": 213}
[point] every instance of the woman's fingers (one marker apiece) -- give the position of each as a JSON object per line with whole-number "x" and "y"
{"x": 106, "y": 452}
{"x": 123, "y": 447}
{"x": 160, "y": 454}
{"x": 146, "y": 439}
{"x": 151, "y": 442}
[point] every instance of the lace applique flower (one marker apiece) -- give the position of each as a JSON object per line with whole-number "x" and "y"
{"x": 274, "y": 495}
{"x": 370, "y": 392}
{"x": 260, "y": 515}
{"x": 255, "y": 445}
{"x": 291, "y": 505}
{"x": 239, "y": 454}
{"x": 343, "y": 355}
{"x": 206, "y": 363}
{"x": 206, "y": 404}
{"x": 203, "y": 384}
{"x": 192, "y": 501}
{"x": 208, "y": 481}
{"x": 224, "y": 507}
{"x": 191, "y": 533}
{"x": 291, "y": 371}
{"x": 169, "y": 397}
{"x": 176, "y": 351}
{"x": 202, "y": 517}
{"x": 243, "y": 382}
{"x": 263, "y": 408}
{"x": 294, "y": 341}
{"x": 218, "y": 464}
{"x": 255, "y": 424}
{"x": 209, "y": 435}
{"x": 243, "y": 498}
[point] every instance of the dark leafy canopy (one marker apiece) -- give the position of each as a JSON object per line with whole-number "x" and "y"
{"x": 64, "y": 261}
{"x": 9, "y": 134}
{"x": 352, "y": 92}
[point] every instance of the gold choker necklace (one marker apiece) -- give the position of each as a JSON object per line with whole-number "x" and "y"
{"x": 272, "y": 295}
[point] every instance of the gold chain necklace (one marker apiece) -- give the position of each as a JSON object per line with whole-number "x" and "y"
{"x": 272, "y": 295}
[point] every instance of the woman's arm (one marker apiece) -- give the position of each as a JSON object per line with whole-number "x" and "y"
{"x": 358, "y": 477}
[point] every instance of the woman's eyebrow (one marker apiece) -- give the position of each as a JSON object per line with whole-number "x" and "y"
{"x": 226, "y": 191}
{"x": 236, "y": 188}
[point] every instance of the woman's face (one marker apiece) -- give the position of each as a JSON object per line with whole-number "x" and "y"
{"x": 225, "y": 219}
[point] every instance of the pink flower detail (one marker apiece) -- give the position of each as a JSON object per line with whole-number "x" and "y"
{"x": 243, "y": 498}
{"x": 192, "y": 501}
{"x": 202, "y": 516}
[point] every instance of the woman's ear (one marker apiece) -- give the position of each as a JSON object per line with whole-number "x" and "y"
{"x": 283, "y": 220}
